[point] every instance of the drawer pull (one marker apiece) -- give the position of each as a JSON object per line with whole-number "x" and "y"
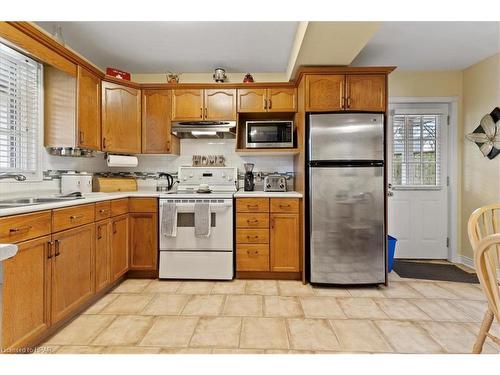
{"x": 252, "y": 237}
{"x": 252, "y": 221}
{"x": 284, "y": 205}
{"x": 102, "y": 211}
{"x": 75, "y": 217}
{"x": 20, "y": 229}
{"x": 250, "y": 252}
{"x": 252, "y": 205}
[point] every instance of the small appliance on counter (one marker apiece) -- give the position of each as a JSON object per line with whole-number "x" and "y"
{"x": 274, "y": 183}
{"x": 72, "y": 182}
{"x": 165, "y": 182}
{"x": 249, "y": 183}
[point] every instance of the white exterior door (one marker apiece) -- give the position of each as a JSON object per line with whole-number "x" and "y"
{"x": 418, "y": 194}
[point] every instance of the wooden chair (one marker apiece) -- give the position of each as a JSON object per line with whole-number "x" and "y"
{"x": 484, "y": 236}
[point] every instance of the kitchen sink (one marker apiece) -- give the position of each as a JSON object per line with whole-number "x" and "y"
{"x": 19, "y": 202}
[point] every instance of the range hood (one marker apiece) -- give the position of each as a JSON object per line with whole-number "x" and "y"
{"x": 204, "y": 129}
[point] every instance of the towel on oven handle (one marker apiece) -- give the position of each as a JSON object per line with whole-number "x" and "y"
{"x": 202, "y": 219}
{"x": 168, "y": 219}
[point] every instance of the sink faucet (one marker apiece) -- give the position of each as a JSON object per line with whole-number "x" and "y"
{"x": 15, "y": 176}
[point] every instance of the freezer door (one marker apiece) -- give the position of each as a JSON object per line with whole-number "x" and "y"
{"x": 346, "y": 136}
{"x": 346, "y": 213}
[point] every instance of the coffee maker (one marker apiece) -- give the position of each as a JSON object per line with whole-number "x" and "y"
{"x": 249, "y": 184}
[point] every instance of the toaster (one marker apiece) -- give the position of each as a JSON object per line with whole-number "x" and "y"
{"x": 274, "y": 183}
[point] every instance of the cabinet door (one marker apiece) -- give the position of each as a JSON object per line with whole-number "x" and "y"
{"x": 366, "y": 92}
{"x": 285, "y": 243}
{"x": 143, "y": 241}
{"x": 157, "y": 135}
{"x": 121, "y": 118}
{"x": 102, "y": 255}
{"x": 88, "y": 109}
{"x": 220, "y": 104}
{"x": 25, "y": 294}
{"x": 187, "y": 105}
{"x": 282, "y": 100}
{"x": 73, "y": 266}
{"x": 119, "y": 246}
{"x": 324, "y": 92}
{"x": 252, "y": 100}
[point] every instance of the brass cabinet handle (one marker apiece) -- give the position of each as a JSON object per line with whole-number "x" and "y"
{"x": 49, "y": 249}
{"x": 272, "y": 223}
{"x": 284, "y": 205}
{"x": 252, "y": 221}
{"x": 206, "y": 112}
{"x": 26, "y": 228}
{"x": 57, "y": 243}
{"x": 75, "y": 217}
{"x": 82, "y": 136}
{"x": 104, "y": 143}
{"x": 254, "y": 237}
{"x": 103, "y": 211}
{"x": 349, "y": 102}
{"x": 201, "y": 112}
{"x": 269, "y": 103}
{"x": 168, "y": 146}
{"x": 114, "y": 227}
{"x": 99, "y": 232}
{"x": 250, "y": 252}
{"x": 265, "y": 103}
{"x": 252, "y": 206}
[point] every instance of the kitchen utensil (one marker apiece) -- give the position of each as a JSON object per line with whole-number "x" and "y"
{"x": 249, "y": 183}
{"x": 165, "y": 182}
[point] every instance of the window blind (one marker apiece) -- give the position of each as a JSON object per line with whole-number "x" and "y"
{"x": 20, "y": 112}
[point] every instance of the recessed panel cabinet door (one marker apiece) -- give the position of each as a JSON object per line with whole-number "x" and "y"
{"x": 157, "y": 135}
{"x": 25, "y": 293}
{"x": 366, "y": 92}
{"x": 324, "y": 92}
{"x": 220, "y": 104}
{"x": 119, "y": 246}
{"x": 187, "y": 105}
{"x": 143, "y": 241}
{"x": 252, "y": 100}
{"x": 121, "y": 118}
{"x": 88, "y": 110}
{"x": 285, "y": 243}
{"x": 282, "y": 100}
{"x": 102, "y": 255}
{"x": 72, "y": 270}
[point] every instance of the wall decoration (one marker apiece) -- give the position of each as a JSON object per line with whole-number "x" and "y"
{"x": 487, "y": 135}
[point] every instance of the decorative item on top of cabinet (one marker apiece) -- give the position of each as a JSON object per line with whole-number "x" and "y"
{"x": 219, "y": 75}
{"x": 248, "y": 78}
{"x": 121, "y": 118}
{"x": 280, "y": 99}
{"x": 157, "y": 137}
{"x": 88, "y": 109}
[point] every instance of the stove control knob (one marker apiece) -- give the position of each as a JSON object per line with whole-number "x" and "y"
{"x": 282, "y": 186}
{"x": 268, "y": 186}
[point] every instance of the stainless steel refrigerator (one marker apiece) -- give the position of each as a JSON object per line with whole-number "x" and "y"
{"x": 346, "y": 198}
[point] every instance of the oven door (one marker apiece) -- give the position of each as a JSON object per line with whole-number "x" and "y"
{"x": 221, "y": 233}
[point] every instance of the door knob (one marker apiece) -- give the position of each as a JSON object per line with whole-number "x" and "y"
{"x": 390, "y": 193}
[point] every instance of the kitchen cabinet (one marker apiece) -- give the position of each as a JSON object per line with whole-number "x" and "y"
{"x": 73, "y": 262}
{"x": 365, "y": 92}
{"x": 187, "y": 105}
{"x": 88, "y": 109}
{"x": 119, "y": 246}
{"x": 157, "y": 137}
{"x": 25, "y": 290}
{"x": 267, "y": 100}
{"x": 102, "y": 254}
{"x": 346, "y": 92}
{"x": 284, "y": 242}
{"x": 220, "y": 104}
{"x": 143, "y": 240}
{"x": 121, "y": 118}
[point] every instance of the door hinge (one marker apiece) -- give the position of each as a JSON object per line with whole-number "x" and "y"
{"x": 447, "y": 180}
{"x": 448, "y": 119}
{"x": 447, "y": 241}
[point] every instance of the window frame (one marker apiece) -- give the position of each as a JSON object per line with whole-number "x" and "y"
{"x": 36, "y": 176}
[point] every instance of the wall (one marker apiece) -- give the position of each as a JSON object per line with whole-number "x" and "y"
{"x": 481, "y": 176}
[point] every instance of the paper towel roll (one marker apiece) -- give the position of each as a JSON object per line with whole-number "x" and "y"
{"x": 122, "y": 161}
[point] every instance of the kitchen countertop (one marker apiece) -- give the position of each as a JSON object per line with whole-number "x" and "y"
{"x": 267, "y": 194}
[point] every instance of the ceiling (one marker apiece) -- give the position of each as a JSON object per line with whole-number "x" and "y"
{"x": 157, "y": 47}
{"x": 430, "y": 45}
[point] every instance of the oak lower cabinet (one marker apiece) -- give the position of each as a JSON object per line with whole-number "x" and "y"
{"x": 102, "y": 254}
{"x": 119, "y": 246}
{"x": 72, "y": 258}
{"x": 284, "y": 242}
{"x": 26, "y": 286}
{"x": 143, "y": 224}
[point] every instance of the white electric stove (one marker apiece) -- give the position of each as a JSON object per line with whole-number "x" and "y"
{"x": 183, "y": 255}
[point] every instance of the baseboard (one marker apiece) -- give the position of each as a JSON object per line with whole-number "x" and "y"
{"x": 466, "y": 261}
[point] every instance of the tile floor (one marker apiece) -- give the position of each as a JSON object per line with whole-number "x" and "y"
{"x": 152, "y": 316}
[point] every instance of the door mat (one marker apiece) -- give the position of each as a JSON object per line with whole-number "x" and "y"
{"x": 433, "y": 271}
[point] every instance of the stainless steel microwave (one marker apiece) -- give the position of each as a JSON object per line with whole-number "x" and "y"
{"x": 269, "y": 134}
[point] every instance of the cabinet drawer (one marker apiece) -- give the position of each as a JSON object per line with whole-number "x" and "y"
{"x": 257, "y": 220}
{"x": 252, "y": 236}
{"x": 143, "y": 205}
{"x": 66, "y": 218}
{"x": 252, "y": 257}
{"x": 285, "y": 205}
{"x": 119, "y": 206}
{"x": 252, "y": 205}
{"x": 24, "y": 227}
{"x": 102, "y": 210}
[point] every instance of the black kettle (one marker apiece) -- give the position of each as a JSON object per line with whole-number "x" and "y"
{"x": 165, "y": 182}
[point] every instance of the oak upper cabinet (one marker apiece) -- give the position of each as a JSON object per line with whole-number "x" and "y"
{"x": 157, "y": 135}
{"x": 219, "y": 104}
{"x": 252, "y": 100}
{"x": 88, "y": 109}
{"x": 73, "y": 266}
{"x": 102, "y": 254}
{"x": 284, "y": 235}
{"x": 325, "y": 92}
{"x": 121, "y": 118}
{"x": 282, "y": 100}
{"x": 187, "y": 105}
{"x": 119, "y": 246}
{"x": 25, "y": 290}
{"x": 365, "y": 92}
